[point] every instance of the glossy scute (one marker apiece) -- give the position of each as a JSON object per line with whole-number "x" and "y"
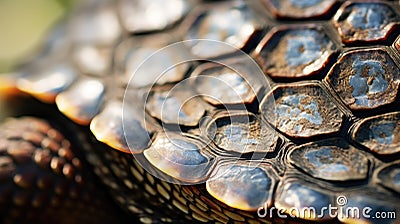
{"x": 380, "y": 134}
{"x": 365, "y": 78}
{"x": 179, "y": 156}
{"x": 147, "y": 64}
{"x": 93, "y": 60}
{"x": 295, "y": 51}
{"x": 240, "y": 186}
{"x": 116, "y": 124}
{"x": 300, "y": 9}
{"x": 232, "y": 23}
{"x": 230, "y": 81}
{"x": 241, "y": 132}
{"x": 302, "y": 110}
{"x": 233, "y": 88}
{"x": 99, "y": 26}
{"x": 176, "y": 106}
{"x": 82, "y": 101}
{"x": 331, "y": 160}
{"x": 365, "y": 21}
{"x": 389, "y": 176}
{"x": 295, "y": 197}
{"x": 47, "y": 83}
{"x": 144, "y": 16}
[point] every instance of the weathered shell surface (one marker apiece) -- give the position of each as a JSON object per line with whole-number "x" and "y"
{"x": 318, "y": 118}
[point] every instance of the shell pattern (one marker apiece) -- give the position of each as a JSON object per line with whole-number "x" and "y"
{"x": 285, "y": 104}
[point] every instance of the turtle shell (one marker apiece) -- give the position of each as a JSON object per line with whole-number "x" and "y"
{"x": 289, "y": 105}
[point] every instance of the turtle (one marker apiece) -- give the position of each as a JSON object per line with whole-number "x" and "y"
{"x": 257, "y": 111}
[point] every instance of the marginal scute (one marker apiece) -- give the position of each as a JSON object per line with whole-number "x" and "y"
{"x": 121, "y": 127}
{"x": 365, "y": 22}
{"x": 241, "y": 186}
{"x": 295, "y": 51}
{"x": 365, "y": 79}
{"x": 300, "y": 9}
{"x": 233, "y": 23}
{"x": 301, "y": 110}
{"x": 241, "y": 132}
{"x": 147, "y": 16}
{"x": 303, "y": 201}
{"x": 331, "y": 160}
{"x": 389, "y": 176}
{"x": 178, "y": 105}
{"x": 82, "y": 101}
{"x": 45, "y": 84}
{"x": 380, "y": 134}
{"x": 180, "y": 156}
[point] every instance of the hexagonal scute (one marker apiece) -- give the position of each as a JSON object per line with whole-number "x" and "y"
{"x": 242, "y": 186}
{"x": 241, "y": 131}
{"x": 301, "y": 110}
{"x": 300, "y": 9}
{"x": 295, "y": 51}
{"x": 331, "y": 160}
{"x": 232, "y": 82}
{"x": 389, "y": 176}
{"x": 380, "y": 134}
{"x": 233, "y": 23}
{"x": 365, "y": 22}
{"x": 148, "y": 16}
{"x": 365, "y": 79}
{"x": 176, "y": 105}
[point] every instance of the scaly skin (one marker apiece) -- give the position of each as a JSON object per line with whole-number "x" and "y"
{"x": 335, "y": 120}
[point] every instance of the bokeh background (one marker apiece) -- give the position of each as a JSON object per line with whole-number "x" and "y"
{"x": 23, "y": 27}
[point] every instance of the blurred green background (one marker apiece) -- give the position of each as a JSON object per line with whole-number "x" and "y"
{"x": 23, "y": 26}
